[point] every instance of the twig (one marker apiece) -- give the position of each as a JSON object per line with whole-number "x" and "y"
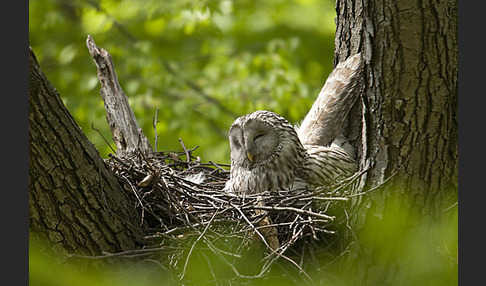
{"x": 115, "y": 254}
{"x": 156, "y": 119}
{"x": 194, "y": 244}
{"x": 175, "y": 206}
{"x": 292, "y": 209}
{"x": 138, "y": 198}
{"x": 103, "y": 137}
{"x": 450, "y": 207}
{"x": 374, "y": 188}
{"x": 188, "y": 155}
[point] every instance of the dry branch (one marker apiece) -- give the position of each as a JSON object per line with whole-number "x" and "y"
{"x": 184, "y": 198}
{"x": 127, "y": 136}
{"x": 178, "y": 196}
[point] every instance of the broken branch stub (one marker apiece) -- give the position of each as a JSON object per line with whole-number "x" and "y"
{"x": 126, "y": 133}
{"x": 324, "y": 121}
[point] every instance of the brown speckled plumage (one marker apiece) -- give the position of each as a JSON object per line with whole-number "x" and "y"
{"x": 288, "y": 164}
{"x": 268, "y": 153}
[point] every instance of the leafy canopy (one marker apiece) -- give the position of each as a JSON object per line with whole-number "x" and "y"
{"x": 201, "y": 63}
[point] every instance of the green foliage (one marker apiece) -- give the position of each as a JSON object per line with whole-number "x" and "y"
{"x": 245, "y": 55}
{"x": 400, "y": 247}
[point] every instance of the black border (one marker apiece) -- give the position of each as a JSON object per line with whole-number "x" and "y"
{"x": 471, "y": 109}
{"x": 14, "y": 211}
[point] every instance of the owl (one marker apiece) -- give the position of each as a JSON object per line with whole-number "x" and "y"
{"x": 267, "y": 155}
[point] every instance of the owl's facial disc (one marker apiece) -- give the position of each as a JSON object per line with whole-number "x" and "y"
{"x": 260, "y": 141}
{"x": 252, "y": 141}
{"x": 237, "y": 145}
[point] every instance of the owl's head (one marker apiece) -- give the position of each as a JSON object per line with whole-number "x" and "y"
{"x": 266, "y": 153}
{"x": 259, "y": 137}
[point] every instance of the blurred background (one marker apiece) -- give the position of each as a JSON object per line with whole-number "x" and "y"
{"x": 403, "y": 247}
{"x": 201, "y": 63}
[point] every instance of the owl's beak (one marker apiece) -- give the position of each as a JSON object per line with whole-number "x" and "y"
{"x": 250, "y": 156}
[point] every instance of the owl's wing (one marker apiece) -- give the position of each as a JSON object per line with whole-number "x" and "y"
{"x": 324, "y": 121}
{"x": 326, "y": 165}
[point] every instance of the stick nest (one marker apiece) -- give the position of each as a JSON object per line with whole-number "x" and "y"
{"x": 179, "y": 196}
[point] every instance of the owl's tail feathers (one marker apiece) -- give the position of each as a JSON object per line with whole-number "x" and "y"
{"x": 324, "y": 121}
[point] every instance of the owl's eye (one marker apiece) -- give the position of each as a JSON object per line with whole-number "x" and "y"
{"x": 236, "y": 143}
{"x": 258, "y": 136}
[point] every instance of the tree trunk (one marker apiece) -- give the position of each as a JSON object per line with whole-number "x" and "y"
{"x": 74, "y": 200}
{"x": 410, "y": 95}
{"x": 404, "y": 124}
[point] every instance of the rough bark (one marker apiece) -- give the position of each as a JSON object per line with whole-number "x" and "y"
{"x": 405, "y": 122}
{"x": 74, "y": 200}
{"x": 405, "y": 127}
{"x": 410, "y": 95}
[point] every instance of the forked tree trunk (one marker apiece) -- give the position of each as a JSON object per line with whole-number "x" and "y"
{"x": 74, "y": 201}
{"x": 410, "y": 95}
{"x": 409, "y": 127}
